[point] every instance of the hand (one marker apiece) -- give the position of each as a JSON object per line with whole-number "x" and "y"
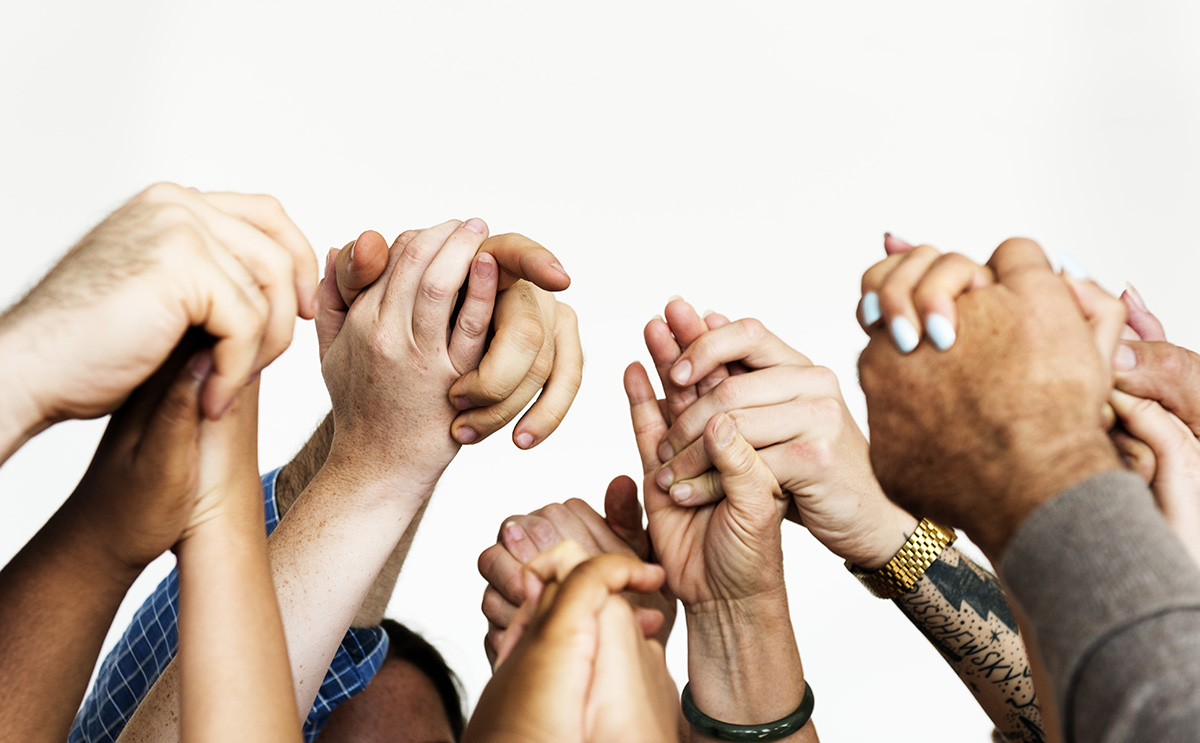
{"x": 121, "y": 299}
{"x": 391, "y": 366}
{"x": 1035, "y": 378}
{"x": 522, "y": 538}
{"x": 790, "y": 411}
{"x": 140, "y": 489}
{"x": 578, "y": 667}
{"x": 535, "y": 345}
{"x": 728, "y": 551}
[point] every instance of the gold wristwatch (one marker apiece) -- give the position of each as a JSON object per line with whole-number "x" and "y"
{"x": 908, "y": 565}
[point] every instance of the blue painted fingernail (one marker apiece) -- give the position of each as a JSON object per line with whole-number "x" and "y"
{"x": 941, "y": 331}
{"x": 870, "y": 312}
{"x": 1072, "y": 267}
{"x": 904, "y": 334}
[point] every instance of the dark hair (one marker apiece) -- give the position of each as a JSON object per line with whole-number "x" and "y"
{"x": 408, "y": 646}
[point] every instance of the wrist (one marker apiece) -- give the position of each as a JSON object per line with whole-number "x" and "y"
{"x": 358, "y": 468}
{"x": 891, "y": 528}
{"x": 743, "y": 662}
{"x": 21, "y": 414}
{"x": 1035, "y": 484}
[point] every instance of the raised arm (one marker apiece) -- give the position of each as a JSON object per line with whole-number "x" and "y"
{"x": 59, "y": 594}
{"x": 793, "y": 412}
{"x": 123, "y": 297}
{"x": 233, "y": 661}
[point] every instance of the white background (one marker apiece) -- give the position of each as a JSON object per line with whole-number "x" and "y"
{"x": 746, "y": 156}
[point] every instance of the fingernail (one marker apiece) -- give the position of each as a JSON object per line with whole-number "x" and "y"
{"x": 682, "y": 372}
{"x": 1072, "y": 267}
{"x": 467, "y": 435}
{"x": 328, "y": 261}
{"x": 512, "y": 533}
{"x": 706, "y": 314}
{"x": 193, "y": 189}
{"x": 1136, "y": 297}
{"x": 681, "y": 492}
{"x": 724, "y": 431}
{"x": 558, "y": 267}
{"x": 462, "y": 403}
{"x": 659, "y": 317}
{"x": 352, "y": 249}
{"x": 665, "y": 478}
{"x": 1125, "y": 359}
{"x": 476, "y": 225}
{"x": 940, "y": 330}
{"x": 673, "y": 297}
{"x": 665, "y": 452}
{"x": 524, "y": 440}
{"x": 485, "y": 266}
{"x": 869, "y": 311}
{"x": 201, "y": 365}
{"x": 904, "y": 334}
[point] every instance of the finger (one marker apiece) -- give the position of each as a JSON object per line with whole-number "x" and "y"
{"x": 896, "y": 296}
{"x": 554, "y": 524}
{"x": 1018, "y": 257}
{"x": 331, "y": 310}
{"x": 1104, "y": 312}
{"x": 522, "y": 258}
{"x": 491, "y": 645}
{"x": 516, "y": 630}
{"x": 498, "y": 610}
{"x": 651, "y": 621}
{"x": 560, "y": 388}
{"x": 403, "y": 283}
{"x": 649, "y": 427}
{"x": 502, "y": 571}
{"x": 520, "y": 335}
{"x": 1144, "y": 323}
{"x": 477, "y": 424}
{"x": 936, "y": 295}
{"x": 664, "y": 352}
{"x": 267, "y": 215}
{"x": 516, "y": 539}
{"x": 556, "y": 563}
{"x": 687, "y": 327}
{"x": 360, "y": 264}
{"x": 748, "y": 484}
{"x": 1137, "y": 454}
{"x": 441, "y": 283}
{"x": 623, "y": 513}
{"x": 1163, "y": 372}
{"x": 600, "y": 535}
{"x": 893, "y": 245}
{"x": 764, "y": 427}
{"x": 587, "y": 588}
{"x": 869, "y": 311}
{"x": 746, "y": 340}
{"x": 475, "y": 316}
{"x": 231, "y": 309}
{"x": 772, "y": 386}
{"x": 1152, "y": 424}
{"x": 716, "y": 320}
{"x": 271, "y": 267}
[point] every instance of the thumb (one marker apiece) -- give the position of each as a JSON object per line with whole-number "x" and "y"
{"x": 623, "y": 513}
{"x": 748, "y": 483}
{"x": 174, "y": 425}
{"x": 360, "y": 264}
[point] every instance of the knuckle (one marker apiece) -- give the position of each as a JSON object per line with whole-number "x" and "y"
{"x": 824, "y": 380}
{"x": 434, "y": 291}
{"x": 472, "y": 325}
{"x": 728, "y": 391}
{"x": 895, "y": 298}
{"x": 752, "y": 329}
{"x": 527, "y": 332}
{"x": 542, "y": 531}
{"x": 162, "y": 192}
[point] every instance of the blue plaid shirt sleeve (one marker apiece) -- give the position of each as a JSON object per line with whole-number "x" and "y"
{"x": 150, "y": 642}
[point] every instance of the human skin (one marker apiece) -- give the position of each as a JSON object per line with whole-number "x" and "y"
{"x": 113, "y": 309}
{"x": 400, "y": 705}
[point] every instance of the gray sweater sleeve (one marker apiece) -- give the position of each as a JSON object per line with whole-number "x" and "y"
{"x": 1114, "y": 604}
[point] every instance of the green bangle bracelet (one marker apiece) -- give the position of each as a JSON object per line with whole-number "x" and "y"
{"x": 782, "y": 728}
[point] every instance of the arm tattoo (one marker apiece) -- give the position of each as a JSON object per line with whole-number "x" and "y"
{"x": 962, "y": 611}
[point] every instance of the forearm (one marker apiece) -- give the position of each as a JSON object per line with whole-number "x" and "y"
{"x": 57, "y": 599}
{"x": 233, "y": 660}
{"x": 962, "y": 611}
{"x": 743, "y": 663}
{"x": 371, "y": 613}
{"x": 295, "y": 476}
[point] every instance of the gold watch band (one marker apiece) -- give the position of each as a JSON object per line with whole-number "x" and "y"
{"x": 902, "y": 572}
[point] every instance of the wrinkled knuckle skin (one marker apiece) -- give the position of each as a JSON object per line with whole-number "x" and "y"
{"x": 752, "y": 329}
{"x": 542, "y": 531}
{"x": 472, "y": 326}
{"x": 528, "y": 332}
{"x": 728, "y": 391}
{"x": 435, "y": 292}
